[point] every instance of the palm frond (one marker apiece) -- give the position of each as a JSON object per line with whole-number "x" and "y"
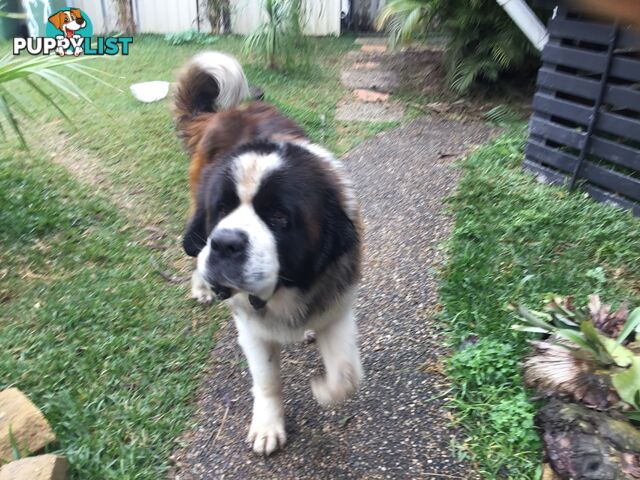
{"x": 47, "y": 70}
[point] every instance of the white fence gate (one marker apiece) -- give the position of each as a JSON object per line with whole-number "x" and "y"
{"x": 322, "y": 17}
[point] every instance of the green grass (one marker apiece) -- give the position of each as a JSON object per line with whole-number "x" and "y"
{"x": 107, "y": 350}
{"x": 110, "y": 351}
{"x": 515, "y": 240}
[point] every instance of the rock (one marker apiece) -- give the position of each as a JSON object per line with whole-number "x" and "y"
{"x": 373, "y": 48}
{"x": 365, "y": 95}
{"x": 585, "y": 444}
{"x": 30, "y": 429}
{"x": 371, "y": 41}
{"x": 369, "y": 112}
{"x": 366, "y": 65}
{"x": 379, "y": 80}
{"x": 42, "y": 467}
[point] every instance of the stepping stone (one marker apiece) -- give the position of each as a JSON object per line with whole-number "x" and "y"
{"x": 42, "y": 467}
{"x": 365, "y": 95}
{"x": 29, "y": 428}
{"x": 374, "y": 48}
{"x": 369, "y": 112}
{"x": 366, "y": 65}
{"x": 371, "y": 41}
{"x": 380, "y": 80}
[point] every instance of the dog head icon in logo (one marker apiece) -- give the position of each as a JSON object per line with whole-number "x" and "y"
{"x": 69, "y": 22}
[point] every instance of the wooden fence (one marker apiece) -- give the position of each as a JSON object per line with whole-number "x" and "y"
{"x": 585, "y": 127}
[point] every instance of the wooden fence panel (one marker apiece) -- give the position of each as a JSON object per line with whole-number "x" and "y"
{"x": 586, "y": 113}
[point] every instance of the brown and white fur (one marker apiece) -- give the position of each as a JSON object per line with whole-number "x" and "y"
{"x": 276, "y": 230}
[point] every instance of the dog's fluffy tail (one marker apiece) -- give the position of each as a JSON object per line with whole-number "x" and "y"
{"x": 209, "y": 82}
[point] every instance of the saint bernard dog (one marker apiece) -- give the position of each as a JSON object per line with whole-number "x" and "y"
{"x": 276, "y": 231}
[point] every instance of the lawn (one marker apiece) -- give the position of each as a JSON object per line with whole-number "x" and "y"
{"x": 515, "y": 240}
{"x": 108, "y": 349}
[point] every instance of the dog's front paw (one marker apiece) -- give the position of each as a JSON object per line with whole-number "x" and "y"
{"x": 329, "y": 391}
{"x": 200, "y": 290}
{"x": 266, "y": 434}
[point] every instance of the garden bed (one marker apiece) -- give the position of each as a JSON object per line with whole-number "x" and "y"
{"x": 516, "y": 241}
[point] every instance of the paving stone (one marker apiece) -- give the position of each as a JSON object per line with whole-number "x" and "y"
{"x": 28, "y": 426}
{"x": 42, "y": 467}
{"x": 369, "y": 112}
{"x": 373, "y": 48}
{"x": 381, "y": 80}
{"x": 371, "y": 40}
{"x": 364, "y": 95}
{"x": 365, "y": 65}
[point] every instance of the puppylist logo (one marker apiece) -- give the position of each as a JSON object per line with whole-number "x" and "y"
{"x": 70, "y": 32}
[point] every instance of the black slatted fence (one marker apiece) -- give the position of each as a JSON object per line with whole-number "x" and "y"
{"x": 585, "y": 127}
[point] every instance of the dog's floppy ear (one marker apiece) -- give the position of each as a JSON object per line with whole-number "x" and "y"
{"x": 338, "y": 236}
{"x": 57, "y": 19}
{"x": 76, "y": 12}
{"x": 195, "y": 235}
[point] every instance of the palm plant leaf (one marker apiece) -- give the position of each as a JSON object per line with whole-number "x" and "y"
{"x": 47, "y": 69}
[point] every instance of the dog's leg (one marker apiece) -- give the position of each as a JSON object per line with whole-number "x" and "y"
{"x": 338, "y": 344}
{"x": 199, "y": 289}
{"x": 266, "y": 433}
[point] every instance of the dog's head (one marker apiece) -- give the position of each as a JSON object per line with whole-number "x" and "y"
{"x": 68, "y": 21}
{"x": 271, "y": 214}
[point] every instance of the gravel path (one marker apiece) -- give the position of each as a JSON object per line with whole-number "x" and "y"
{"x": 395, "y": 427}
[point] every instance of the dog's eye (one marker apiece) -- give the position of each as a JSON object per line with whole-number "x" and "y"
{"x": 222, "y": 212}
{"x": 278, "y": 220}
{"x": 66, "y": 20}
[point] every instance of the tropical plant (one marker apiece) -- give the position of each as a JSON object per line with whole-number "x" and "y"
{"x": 279, "y": 41}
{"x": 482, "y": 41}
{"x": 48, "y": 71}
{"x": 591, "y": 354}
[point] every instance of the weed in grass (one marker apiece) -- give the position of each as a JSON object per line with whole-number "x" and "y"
{"x": 515, "y": 240}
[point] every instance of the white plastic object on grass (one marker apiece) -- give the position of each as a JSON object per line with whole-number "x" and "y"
{"x": 148, "y": 92}
{"x": 527, "y": 21}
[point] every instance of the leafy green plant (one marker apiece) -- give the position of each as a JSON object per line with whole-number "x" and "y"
{"x": 514, "y": 419}
{"x": 501, "y": 114}
{"x": 589, "y": 352}
{"x": 482, "y": 41}
{"x": 279, "y": 41}
{"x": 488, "y": 362}
{"x": 190, "y": 36}
{"x": 47, "y": 69}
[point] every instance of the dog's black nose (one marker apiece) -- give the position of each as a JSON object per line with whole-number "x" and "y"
{"x": 79, "y": 21}
{"x": 229, "y": 243}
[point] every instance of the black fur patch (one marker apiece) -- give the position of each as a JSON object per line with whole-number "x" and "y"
{"x": 304, "y": 194}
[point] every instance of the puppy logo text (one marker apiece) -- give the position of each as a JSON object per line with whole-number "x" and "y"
{"x": 69, "y": 32}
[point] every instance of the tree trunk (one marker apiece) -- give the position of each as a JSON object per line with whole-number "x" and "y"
{"x": 125, "y": 17}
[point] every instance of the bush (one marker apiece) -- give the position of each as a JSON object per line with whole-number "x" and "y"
{"x": 279, "y": 41}
{"x": 482, "y": 41}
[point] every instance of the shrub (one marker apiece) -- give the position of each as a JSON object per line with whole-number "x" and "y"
{"x": 279, "y": 41}
{"x": 482, "y": 41}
